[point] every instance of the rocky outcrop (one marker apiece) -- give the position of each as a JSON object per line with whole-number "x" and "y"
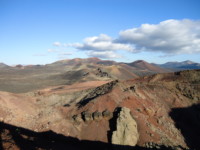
{"x": 97, "y": 115}
{"x": 107, "y": 114}
{"x": 126, "y": 129}
{"x": 78, "y": 118}
{"x": 191, "y": 91}
{"x": 101, "y": 90}
{"x": 87, "y": 116}
{"x": 101, "y": 73}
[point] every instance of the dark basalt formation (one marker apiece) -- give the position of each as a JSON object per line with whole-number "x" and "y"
{"x": 101, "y": 90}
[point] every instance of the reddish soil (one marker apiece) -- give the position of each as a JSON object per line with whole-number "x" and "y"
{"x": 156, "y": 103}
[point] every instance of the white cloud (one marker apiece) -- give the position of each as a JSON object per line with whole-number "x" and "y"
{"x": 66, "y": 53}
{"x": 101, "y": 43}
{"x": 170, "y": 36}
{"x": 51, "y": 50}
{"x": 103, "y": 54}
{"x": 58, "y": 44}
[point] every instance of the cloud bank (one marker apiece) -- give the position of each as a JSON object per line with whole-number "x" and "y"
{"x": 102, "y": 43}
{"x": 168, "y": 37}
{"x": 104, "y": 54}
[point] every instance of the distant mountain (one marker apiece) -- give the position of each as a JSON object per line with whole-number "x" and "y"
{"x": 71, "y": 71}
{"x": 75, "y": 61}
{"x": 184, "y": 65}
{"x": 2, "y": 65}
{"x": 143, "y": 65}
{"x": 107, "y": 62}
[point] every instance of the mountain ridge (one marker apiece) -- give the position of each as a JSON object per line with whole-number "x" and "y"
{"x": 183, "y": 65}
{"x": 187, "y": 64}
{"x": 22, "y": 78}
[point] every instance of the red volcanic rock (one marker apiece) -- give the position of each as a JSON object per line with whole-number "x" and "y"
{"x": 150, "y": 99}
{"x": 164, "y": 106}
{"x": 141, "y": 64}
{"x": 19, "y": 66}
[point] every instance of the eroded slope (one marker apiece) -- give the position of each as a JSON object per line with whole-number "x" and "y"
{"x": 156, "y": 102}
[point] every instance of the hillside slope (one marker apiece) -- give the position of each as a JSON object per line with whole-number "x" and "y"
{"x": 143, "y": 65}
{"x": 184, "y": 65}
{"x": 19, "y": 79}
{"x": 165, "y": 107}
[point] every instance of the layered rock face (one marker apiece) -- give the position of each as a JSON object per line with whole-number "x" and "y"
{"x": 126, "y": 129}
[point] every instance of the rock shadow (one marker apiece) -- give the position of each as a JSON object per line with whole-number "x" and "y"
{"x": 113, "y": 124}
{"x": 187, "y": 120}
{"x": 24, "y": 139}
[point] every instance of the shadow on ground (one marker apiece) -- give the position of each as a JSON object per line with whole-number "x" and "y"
{"x": 12, "y": 137}
{"x": 187, "y": 120}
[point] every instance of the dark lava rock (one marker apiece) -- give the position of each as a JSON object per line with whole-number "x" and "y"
{"x": 86, "y": 116}
{"x": 107, "y": 114}
{"x": 97, "y": 115}
{"x": 77, "y": 118}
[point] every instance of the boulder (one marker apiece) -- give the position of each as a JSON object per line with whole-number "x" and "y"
{"x": 126, "y": 133}
{"x": 87, "y": 116}
{"x": 77, "y": 118}
{"x": 107, "y": 114}
{"x": 97, "y": 115}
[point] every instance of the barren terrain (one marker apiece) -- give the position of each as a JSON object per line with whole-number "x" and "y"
{"x": 82, "y": 115}
{"x": 20, "y": 79}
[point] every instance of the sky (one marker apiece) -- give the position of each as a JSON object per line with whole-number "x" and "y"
{"x": 45, "y": 31}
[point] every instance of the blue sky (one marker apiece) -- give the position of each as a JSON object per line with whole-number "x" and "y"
{"x": 44, "y": 31}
